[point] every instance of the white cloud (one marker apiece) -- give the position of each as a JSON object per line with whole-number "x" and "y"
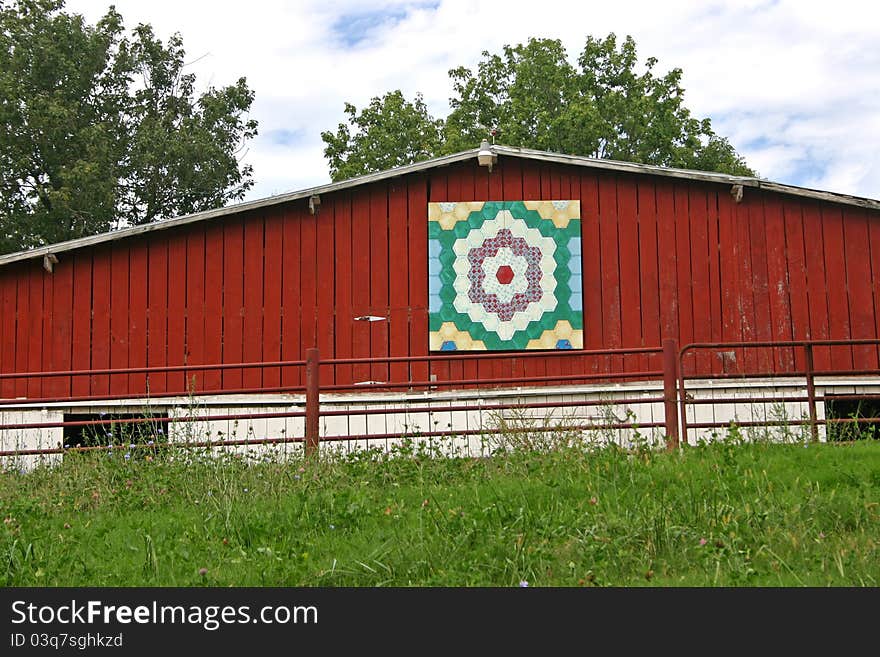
{"x": 794, "y": 85}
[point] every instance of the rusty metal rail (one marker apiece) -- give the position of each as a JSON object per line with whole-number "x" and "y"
{"x": 808, "y": 373}
{"x": 313, "y": 389}
{"x": 310, "y": 406}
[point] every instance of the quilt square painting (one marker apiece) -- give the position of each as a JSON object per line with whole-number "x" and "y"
{"x": 505, "y": 275}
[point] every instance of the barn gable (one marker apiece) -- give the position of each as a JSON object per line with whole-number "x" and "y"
{"x": 348, "y": 268}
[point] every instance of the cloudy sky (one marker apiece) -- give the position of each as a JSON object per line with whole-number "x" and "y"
{"x": 794, "y": 84}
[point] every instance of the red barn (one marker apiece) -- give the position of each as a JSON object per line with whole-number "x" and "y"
{"x": 347, "y": 267}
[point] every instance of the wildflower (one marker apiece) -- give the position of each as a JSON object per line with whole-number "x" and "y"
{"x": 66, "y": 446}
{"x": 66, "y": 525}
{"x": 594, "y": 501}
{"x": 821, "y": 534}
{"x": 127, "y": 456}
{"x": 703, "y": 541}
{"x": 149, "y": 442}
{"x": 161, "y": 431}
{"x": 523, "y": 583}
{"x": 332, "y": 526}
{"x": 245, "y": 490}
{"x": 131, "y": 445}
{"x": 296, "y": 477}
{"x": 203, "y": 571}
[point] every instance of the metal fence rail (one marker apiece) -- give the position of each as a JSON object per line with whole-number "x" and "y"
{"x": 307, "y": 403}
{"x": 809, "y": 372}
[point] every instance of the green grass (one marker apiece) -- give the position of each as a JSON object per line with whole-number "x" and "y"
{"x": 726, "y": 514}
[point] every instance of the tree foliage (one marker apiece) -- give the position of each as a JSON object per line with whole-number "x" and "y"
{"x": 389, "y": 132}
{"x": 605, "y": 105}
{"x": 101, "y": 129}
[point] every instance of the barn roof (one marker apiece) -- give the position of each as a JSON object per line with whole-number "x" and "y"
{"x": 506, "y": 151}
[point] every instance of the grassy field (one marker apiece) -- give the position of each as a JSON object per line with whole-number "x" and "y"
{"x": 727, "y": 514}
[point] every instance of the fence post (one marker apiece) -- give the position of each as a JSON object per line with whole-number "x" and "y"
{"x": 313, "y": 391}
{"x": 811, "y": 392}
{"x": 670, "y": 389}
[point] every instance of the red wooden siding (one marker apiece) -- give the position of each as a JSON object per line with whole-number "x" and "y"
{"x": 661, "y": 258}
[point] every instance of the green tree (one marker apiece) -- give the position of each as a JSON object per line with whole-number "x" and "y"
{"x": 389, "y": 132}
{"x": 532, "y": 96}
{"x": 99, "y": 129}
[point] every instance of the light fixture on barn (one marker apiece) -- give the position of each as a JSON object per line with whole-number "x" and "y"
{"x": 314, "y": 204}
{"x": 485, "y": 156}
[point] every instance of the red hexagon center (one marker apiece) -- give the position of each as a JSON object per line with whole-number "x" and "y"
{"x": 504, "y": 274}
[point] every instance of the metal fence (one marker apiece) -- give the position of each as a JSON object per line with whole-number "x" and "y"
{"x": 676, "y": 375}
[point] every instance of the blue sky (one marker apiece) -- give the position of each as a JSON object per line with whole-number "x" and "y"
{"x": 795, "y": 85}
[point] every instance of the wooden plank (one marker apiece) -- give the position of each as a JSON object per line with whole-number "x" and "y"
{"x": 630, "y": 264}
{"x": 35, "y": 329}
{"x": 81, "y": 331}
{"x": 157, "y": 313}
{"x": 746, "y": 291}
{"x": 796, "y": 270}
{"x": 291, "y": 321}
{"x": 817, "y": 296}
{"x": 684, "y": 274}
{"x": 137, "y": 314}
{"x": 342, "y": 257}
{"x": 61, "y": 326}
{"x": 252, "y": 320}
{"x": 45, "y": 361}
{"x": 857, "y": 259}
{"x": 698, "y": 210}
{"x": 233, "y": 301}
{"x": 195, "y": 306}
{"x": 760, "y": 283}
{"x": 716, "y": 331}
{"x": 100, "y": 341}
{"x": 729, "y": 249}
{"x": 835, "y": 284}
{"x": 8, "y": 297}
{"x": 214, "y": 284}
{"x": 326, "y": 273}
{"x": 398, "y": 278}
{"x": 308, "y": 279}
{"x": 177, "y": 310}
{"x": 22, "y": 314}
{"x": 778, "y": 283}
{"x": 119, "y": 309}
{"x": 649, "y": 281}
{"x": 666, "y": 263}
{"x": 609, "y": 243}
{"x": 272, "y": 285}
{"x": 417, "y": 220}
{"x": 591, "y": 263}
{"x": 873, "y": 219}
{"x": 360, "y": 291}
